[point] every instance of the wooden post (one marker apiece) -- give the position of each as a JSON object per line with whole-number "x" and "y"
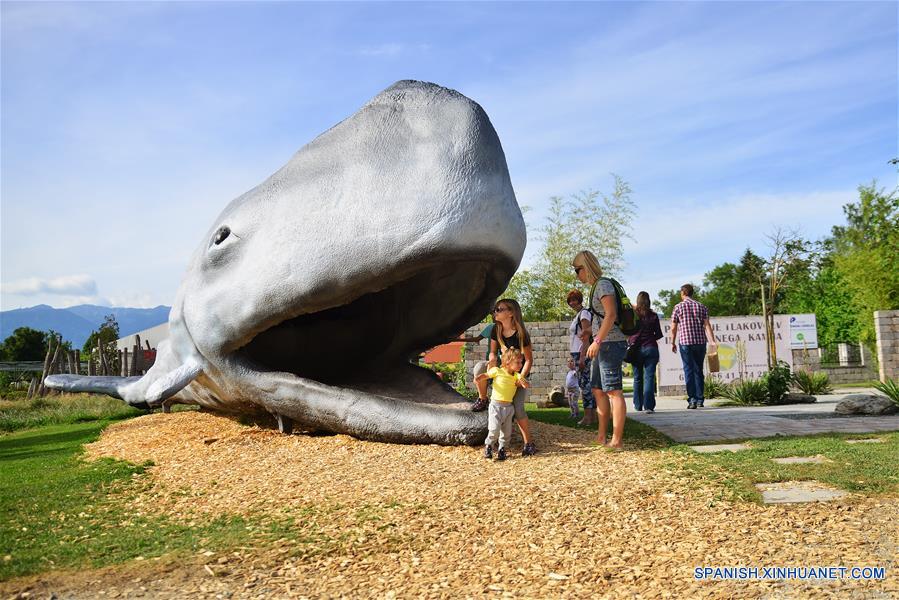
{"x": 104, "y": 368}
{"x": 126, "y": 363}
{"x": 77, "y": 362}
{"x": 31, "y": 388}
{"x": 138, "y": 356}
{"x": 40, "y": 391}
{"x": 135, "y": 368}
{"x": 54, "y": 363}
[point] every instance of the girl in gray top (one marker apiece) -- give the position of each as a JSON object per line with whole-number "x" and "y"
{"x": 607, "y": 350}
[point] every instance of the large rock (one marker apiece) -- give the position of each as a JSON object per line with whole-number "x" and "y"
{"x": 555, "y": 397}
{"x": 796, "y": 398}
{"x": 866, "y": 404}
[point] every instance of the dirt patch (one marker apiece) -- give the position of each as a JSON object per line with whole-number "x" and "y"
{"x": 384, "y": 520}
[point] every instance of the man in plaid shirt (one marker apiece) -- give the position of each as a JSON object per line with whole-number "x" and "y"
{"x": 689, "y": 325}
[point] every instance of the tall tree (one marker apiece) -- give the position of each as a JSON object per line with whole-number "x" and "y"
{"x": 105, "y": 337}
{"x": 589, "y": 220}
{"x": 25, "y": 344}
{"x": 866, "y": 254}
{"x": 790, "y": 254}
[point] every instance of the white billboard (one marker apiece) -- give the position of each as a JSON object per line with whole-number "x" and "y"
{"x": 803, "y": 331}
{"x": 742, "y": 348}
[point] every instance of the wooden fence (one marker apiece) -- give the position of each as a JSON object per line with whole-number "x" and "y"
{"x": 103, "y": 360}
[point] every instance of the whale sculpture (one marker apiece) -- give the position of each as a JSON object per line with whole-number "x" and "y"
{"x": 384, "y": 236}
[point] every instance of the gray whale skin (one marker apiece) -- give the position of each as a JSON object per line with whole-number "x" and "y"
{"x": 386, "y": 235}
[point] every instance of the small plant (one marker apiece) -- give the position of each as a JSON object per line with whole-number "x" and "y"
{"x": 777, "y": 381}
{"x": 890, "y": 388}
{"x": 714, "y": 387}
{"x": 747, "y": 392}
{"x": 812, "y": 384}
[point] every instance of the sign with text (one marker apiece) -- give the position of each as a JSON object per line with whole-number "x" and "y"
{"x": 803, "y": 331}
{"x": 742, "y": 348}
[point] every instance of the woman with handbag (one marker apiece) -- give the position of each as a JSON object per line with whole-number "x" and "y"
{"x": 607, "y": 350}
{"x": 646, "y": 354}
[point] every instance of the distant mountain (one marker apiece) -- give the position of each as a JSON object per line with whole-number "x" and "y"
{"x": 76, "y": 323}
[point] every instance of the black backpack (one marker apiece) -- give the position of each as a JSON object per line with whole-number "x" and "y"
{"x": 577, "y": 325}
{"x": 628, "y": 320}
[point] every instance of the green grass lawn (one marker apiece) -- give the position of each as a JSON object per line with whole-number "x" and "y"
{"x": 867, "y": 469}
{"x": 859, "y": 384}
{"x": 636, "y": 434}
{"x": 19, "y": 413}
{"x": 58, "y": 511}
{"x": 859, "y": 468}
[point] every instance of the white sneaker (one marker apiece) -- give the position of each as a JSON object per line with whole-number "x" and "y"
{"x": 649, "y": 411}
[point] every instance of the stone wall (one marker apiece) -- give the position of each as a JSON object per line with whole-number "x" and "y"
{"x": 550, "y": 343}
{"x": 859, "y": 364}
{"x": 551, "y": 351}
{"x": 886, "y": 324}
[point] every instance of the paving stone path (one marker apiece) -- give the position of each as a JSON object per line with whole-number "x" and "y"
{"x": 709, "y": 448}
{"x": 713, "y": 424}
{"x": 798, "y": 460}
{"x": 789, "y": 492}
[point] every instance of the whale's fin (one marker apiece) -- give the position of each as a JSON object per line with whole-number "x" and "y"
{"x": 141, "y": 392}
{"x": 172, "y": 382}
{"x": 111, "y": 386}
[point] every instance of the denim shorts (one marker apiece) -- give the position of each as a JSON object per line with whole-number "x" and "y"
{"x": 606, "y": 373}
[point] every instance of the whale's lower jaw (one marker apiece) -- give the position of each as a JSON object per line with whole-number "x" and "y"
{"x": 407, "y": 405}
{"x": 348, "y": 369}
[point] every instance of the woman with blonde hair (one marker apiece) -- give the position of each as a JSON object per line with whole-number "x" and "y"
{"x": 607, "y": 350}
{"x": 509, "y": 332}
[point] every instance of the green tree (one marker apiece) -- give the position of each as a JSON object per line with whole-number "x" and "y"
{"x": 105, "y": 336}
{"x": 732, "y": 289}
{"x": 668, "y": 299}
{"x": 790, "y": 257}
{"x": 865, "y": 252}
{"x": 577, "y": 223}
{"x": 25, "y": 344}
{"x": 825, "y": 293}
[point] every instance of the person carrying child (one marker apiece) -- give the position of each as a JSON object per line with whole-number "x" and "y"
{"x": 506, "y": 381}
{"x": 572, "y": 388}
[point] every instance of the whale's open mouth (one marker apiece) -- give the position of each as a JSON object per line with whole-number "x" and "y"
{"x": 372, "y": 342}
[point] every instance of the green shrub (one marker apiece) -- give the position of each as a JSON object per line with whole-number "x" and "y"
{"x": 812, "y": 384}
{"x": 890, "y": 388}
{"x": 747, "y": 392}
{"x": 777, "y": 382}
{"x": 714, "y": 387}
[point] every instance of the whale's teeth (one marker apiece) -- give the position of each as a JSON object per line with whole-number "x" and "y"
{"x": 285, "y": 424}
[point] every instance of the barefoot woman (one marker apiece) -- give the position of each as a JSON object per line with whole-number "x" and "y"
{"x": 607, "y": 349}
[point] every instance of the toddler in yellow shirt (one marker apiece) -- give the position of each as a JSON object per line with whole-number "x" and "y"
{"x": 506, "y": 380}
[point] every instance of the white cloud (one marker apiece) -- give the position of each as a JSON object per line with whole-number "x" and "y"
{"x": 730, "y": 225}
{"x": 135, "y": 300}
{"x": 68, "y": 285}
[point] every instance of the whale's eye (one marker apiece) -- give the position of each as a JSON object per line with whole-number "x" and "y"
{"x": 220, "y": 235}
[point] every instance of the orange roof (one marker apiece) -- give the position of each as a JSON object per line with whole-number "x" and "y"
{"x": 450, "y": 353}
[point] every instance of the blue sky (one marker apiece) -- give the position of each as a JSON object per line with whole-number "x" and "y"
{"x": 127, "y": 127}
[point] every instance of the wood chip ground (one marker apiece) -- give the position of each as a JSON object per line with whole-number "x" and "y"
{"x": 394, "y": 521}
